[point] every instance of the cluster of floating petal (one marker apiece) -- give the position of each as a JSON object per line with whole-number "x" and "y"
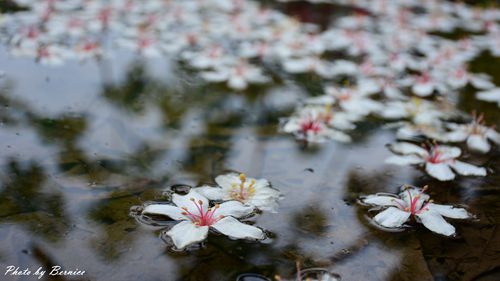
{"x": 412, "y": 204}
{"x": 400, "y": 70}
{"x": 237, "y": 197}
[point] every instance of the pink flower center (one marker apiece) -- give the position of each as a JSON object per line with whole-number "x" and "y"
{"x": 424, "y": 78}
{"x": 435, "y": 155}
{"x": 414, "y": 208}
{"x": 310, "y": 125}
{"x": 200, "y": 217}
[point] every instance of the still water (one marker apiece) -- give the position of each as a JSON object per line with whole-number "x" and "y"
{"x": 82, "y": 144}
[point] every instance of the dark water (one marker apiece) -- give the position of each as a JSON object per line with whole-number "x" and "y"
{"x": 83, "y": 143}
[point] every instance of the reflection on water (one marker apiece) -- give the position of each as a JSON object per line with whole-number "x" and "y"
{"x": 80, "y": 147}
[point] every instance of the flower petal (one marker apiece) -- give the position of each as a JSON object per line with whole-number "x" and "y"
{"x": 227, "y": 180}
{"x": 436, "y": 223}
{"x": 233, "y": 228}
{"x": 440, "y": 171}
{"x": 187, "y": 201}
{"x": 165, "y": 210}
{"x": 392, "y": 217}
{"x": 212, "y": 193}
{"x": 408, "y": 148}
{"x": 404, "y": 160}
{"x": 467, "y": 169}
{"x": 186, "y": 233}
{"x": 233, "y": 208}
{"x": 449, "y": 211}
{"x": 381, "y": 200}
{"x": 478, "y": 143}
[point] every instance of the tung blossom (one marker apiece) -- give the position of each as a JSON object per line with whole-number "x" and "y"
{"x": 196, "y": 218}
{"x": 249, "y": 191}
{"x": 439, "y": 161}
{"x": 475, "y": 134}
{"x": 238, "y": 77}
{"x": 413, "y": 204}
{"x": 312, "y": 124}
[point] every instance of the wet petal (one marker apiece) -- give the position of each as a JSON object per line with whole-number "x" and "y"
{"x": 436, "y": 223}
{"x": 226, "y": 180}
{"x": 423, "y": 89}
{"x": 382, "y": 200}
{"x": 233, "y": 208}
{"x": 392, "y": 217}
{"x": 440, "y": 171}
{"x": 493, "y": 135}
{"x": 449, "y": 211}
{"x": 237, "y": 83}
{"x": 170, "y": 211}
{"x": 210, "y": 192}
{"x": 233, "y": 228}
{"x": 448, "y": 152}
{"x": 408, "y": 148}
{"x": 457, "y": 135}
{"x": 404, "y": 160}
{"x": 192, "y": 206}
{"x": 186, "y": 233}
{"x": 467, "y": 169}
{"x": 478, "y": 143}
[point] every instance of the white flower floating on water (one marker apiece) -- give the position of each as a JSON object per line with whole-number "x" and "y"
{"x": 438, "y": 160}
{"x": 249, "y": 191}
{"x": 314, "y": 124}
{"x": 475, "y": 133}
{"x": 196, "y": 218}
{"x": 413, "y": 204}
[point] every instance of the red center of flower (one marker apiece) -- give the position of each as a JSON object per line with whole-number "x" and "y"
{"x": 424, "y": 78}
{"x": 201, "y": 218}
{"x": 435, "y": 155}
{"x": 310, "y": 125}
{"x": 414, "y": 209}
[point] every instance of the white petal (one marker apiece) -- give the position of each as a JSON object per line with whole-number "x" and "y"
{"x": 186, "y": 233}
{"x": 408, "y": 148}
{"x": 492, "y": 95}
{"x": 165, "y": 210}
{"x": 233, "y": 208}
{"x": 237, "y": 83}
{"x": 456, "y": 136}
{"x": 297, "y": 65}
{"x": 404, "y": 160}
{"x": 449, "y": 152}
{"x": 423, "y": 89}
{"x": 478, "y": 143}
{"x": 482, "y": 83}
{"x": 227, "y": 180}
{"x": 192, "y": 206}
{"x": 449, "y": 211}
{"x": 435, "y": 222}
{"x": 440, "y": 171}
{"x": 467, "y": 169}
{"x": 493, "y": 135}
{"x": 214, "y": 76}
{"x": 233, "y": 228}
{"x": 392, "y": 217}
{"x": 381, "y": 200}
{"x": 212, "y": 193}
